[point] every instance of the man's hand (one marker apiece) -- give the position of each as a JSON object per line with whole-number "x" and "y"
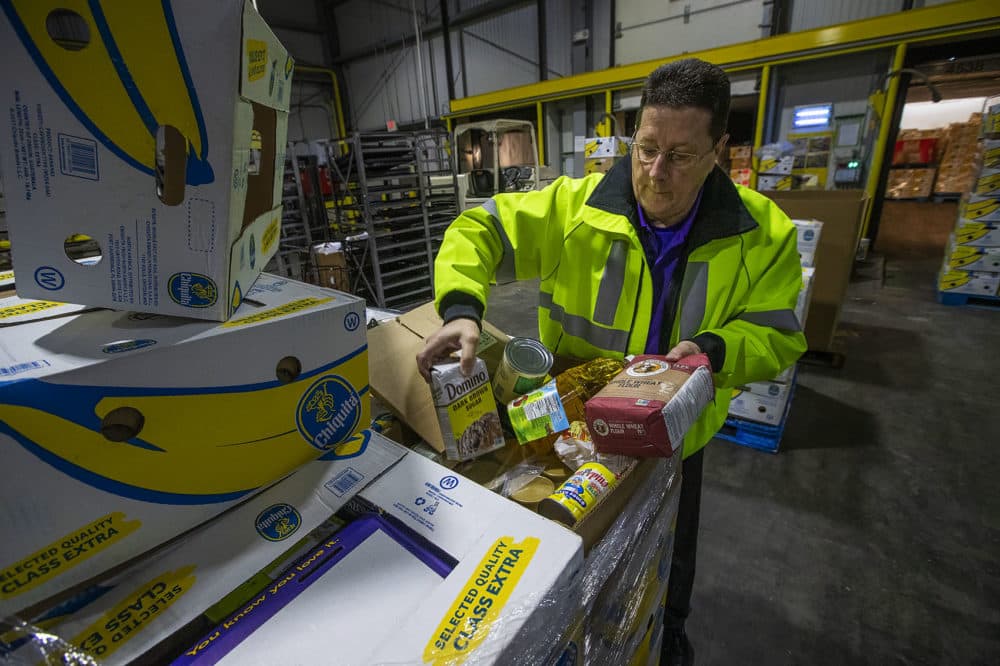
{"x": 458, "y": 334}
{"x": 683, "y": 348}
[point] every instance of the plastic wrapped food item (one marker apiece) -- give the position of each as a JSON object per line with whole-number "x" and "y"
{"x": 647, "y": 409}
{"x": 23, "y": 644}
{"x": 585, "y": 489}
{"x": 538, "y": 417}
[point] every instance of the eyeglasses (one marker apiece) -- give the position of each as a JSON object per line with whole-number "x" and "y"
{"x": 676, "y": 159}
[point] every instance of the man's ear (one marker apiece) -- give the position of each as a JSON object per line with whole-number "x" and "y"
{"x": 720, "y": 147}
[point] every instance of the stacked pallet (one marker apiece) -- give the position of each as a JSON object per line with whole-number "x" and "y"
{"x": 971, "y": 270}
{"x": 959, "y": 163}
{"x": 759, "y": 410}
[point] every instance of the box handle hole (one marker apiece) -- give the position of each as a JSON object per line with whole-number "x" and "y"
{"x": 122, "y": 424}
{"x": 288, "y": 370}
{"x": 171, "y": 164}
{"x": 67, "y": 29}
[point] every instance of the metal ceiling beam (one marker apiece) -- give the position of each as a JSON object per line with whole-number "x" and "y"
{"x": 460, "y": 20}
{"x": 967, "y": 16}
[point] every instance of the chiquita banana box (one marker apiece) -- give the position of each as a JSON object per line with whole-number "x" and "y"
{"x": 154, "y": 131}
{"x": 233, "y": 557}
{"x": 980, "y": 209}
{"x": 972, "y": 257}
{"x": 121, "y": 430}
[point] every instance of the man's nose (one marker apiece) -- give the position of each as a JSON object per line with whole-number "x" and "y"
{"x": 659, "y": 169}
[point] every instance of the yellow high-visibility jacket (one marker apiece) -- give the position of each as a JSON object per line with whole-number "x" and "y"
{"x": 733, "y": 292}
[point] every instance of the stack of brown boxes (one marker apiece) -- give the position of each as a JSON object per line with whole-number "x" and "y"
{"x": 740, "y": 164}
{"x": 960, "y": 162}
{"x": 909, "y": 183}
{"x": 909, "y": 178}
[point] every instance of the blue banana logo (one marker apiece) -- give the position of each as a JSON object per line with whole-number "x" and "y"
{"x": 127, "y": 82}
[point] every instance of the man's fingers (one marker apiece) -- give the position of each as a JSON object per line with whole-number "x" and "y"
{"x": 469, "y": 345}
{"x": 683, "y": 348}
{"x": 460, "y": 334}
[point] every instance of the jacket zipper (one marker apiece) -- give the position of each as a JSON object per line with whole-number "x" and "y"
{"x": 673, "y": 297}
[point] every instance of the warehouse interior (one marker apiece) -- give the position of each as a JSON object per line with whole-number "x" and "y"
{"x": 848, "y": 511}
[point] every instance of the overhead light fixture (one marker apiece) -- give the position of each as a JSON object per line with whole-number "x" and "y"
{"x": 813, "y": 116}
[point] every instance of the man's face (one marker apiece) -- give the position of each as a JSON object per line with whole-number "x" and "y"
{"x": 666, "y": 189}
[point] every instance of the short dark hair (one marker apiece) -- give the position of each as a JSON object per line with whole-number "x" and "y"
{"x": 689, "y": 82}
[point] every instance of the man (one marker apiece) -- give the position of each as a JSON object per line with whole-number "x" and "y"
{"x": 662, "y": 255}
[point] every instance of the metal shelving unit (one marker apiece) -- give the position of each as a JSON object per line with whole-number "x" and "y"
{"x": 396, "y": 196}
{"x": 303, "y": 217}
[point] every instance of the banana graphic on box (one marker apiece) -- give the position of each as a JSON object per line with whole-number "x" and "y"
{"x": 989, "y": 183}
{"x": 974, "y": 210}
{"x": 129, "y": 80}
{"x": 196, "y": 447}
{"x": 963, "y": 256}
{"x": 991, "y": 158}
{"x": 970, "y": 231}
{"x": 954, "y": 280}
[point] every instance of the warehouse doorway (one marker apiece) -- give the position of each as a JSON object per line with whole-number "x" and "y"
{"x": 933, "y": 163}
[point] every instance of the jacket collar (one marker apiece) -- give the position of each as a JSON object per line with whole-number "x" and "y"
{"x": 720, "y": 215}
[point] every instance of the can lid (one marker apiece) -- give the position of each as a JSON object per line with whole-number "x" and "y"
{"x": 529, "y": 356}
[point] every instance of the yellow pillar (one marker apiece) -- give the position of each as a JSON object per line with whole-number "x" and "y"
{"x": 540, "y": 132}
{"x": 884, "y": 127}
{"x": 758, "y": 132}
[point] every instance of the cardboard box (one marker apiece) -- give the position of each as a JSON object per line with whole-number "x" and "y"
{"x": 163, "y": 140}
{"x": 910, "y": 183}
{"x": 801, "y": 313}
{"x": 987, "y": 182}
{"x": 776, "y": 165}
{"x": 122, "y": 618}
{"x": 392, "y": 350}
{"x": 468, "y": 591}
{"x": 980, "y": 209}
{"x": 991, "y": 121}
{"x": 957, "y": 281}
{"x": 332, "y": 271}
{"x": 740, "y": 152}
{"x": 612, "y": 146}
{"x": 741, "y": 176}
{"x": 914, "y": 151}
{"x": 972, "y": 258}
{"x": 120, "y": 430}
{"x": 808, "y": 233}
{"x": 977, "y": 234}
{"x": 991, "y": 153}
{"x": 779, "y": 183}
{"x": 740, "y": 163}
{"x": 598, "y": 165}
{"x": 841, "y": 212}
{"x": 763, "y": 402}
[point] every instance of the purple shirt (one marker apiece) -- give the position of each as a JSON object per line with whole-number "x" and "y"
{"x": 667, "y": 244}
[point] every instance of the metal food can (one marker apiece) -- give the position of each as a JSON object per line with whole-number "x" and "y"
{"x": 525, "y": 364}
{"x": 578, "y": 496}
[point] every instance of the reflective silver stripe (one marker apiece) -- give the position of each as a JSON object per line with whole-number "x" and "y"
{"x": 612, "y": 284}
{"x": 784, "y": 320}
{"x": 610, "y": 339}
{"x": 505, "y": 271}
{"x": 694, "y": 294}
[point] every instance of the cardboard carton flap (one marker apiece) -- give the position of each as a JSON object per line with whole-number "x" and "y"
{"x": 267, "y": 67}
{"x": 393, "y": 347}
{"x": 392, "y": 368}
{"x": 15, "y": 310}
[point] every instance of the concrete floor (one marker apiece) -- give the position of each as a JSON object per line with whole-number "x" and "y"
{"x": 873, "y": 536}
